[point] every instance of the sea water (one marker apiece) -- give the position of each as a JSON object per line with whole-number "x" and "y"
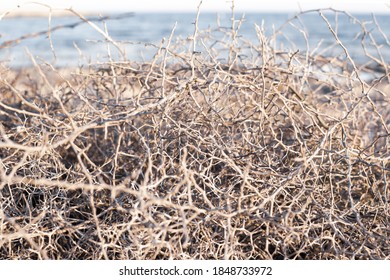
{"x": 72, "y": 42}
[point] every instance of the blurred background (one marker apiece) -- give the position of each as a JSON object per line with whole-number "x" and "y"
{"x": 140, "y": 27}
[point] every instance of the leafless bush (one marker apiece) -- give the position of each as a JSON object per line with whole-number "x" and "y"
{"x": 268, "y": 154}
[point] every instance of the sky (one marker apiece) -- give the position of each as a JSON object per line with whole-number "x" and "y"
{"x": 101, "y": 6}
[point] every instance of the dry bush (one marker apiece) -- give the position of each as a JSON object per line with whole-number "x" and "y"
{"x": 268, "y": 154}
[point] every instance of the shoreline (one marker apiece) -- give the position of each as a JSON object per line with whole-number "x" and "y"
{"x": 41, "y": 14}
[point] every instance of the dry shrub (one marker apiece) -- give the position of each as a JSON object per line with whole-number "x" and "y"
{"x": 267, "y": 154}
